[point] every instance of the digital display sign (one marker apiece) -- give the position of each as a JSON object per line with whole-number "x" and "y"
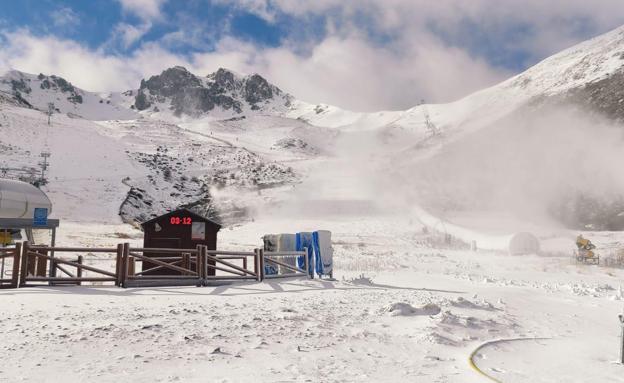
{"x": 181, "y": 221}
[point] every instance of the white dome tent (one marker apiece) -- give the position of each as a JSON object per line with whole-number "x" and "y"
{"x": 524, "y": 243}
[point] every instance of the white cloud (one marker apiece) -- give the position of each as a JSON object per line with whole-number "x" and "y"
{"x": 347, "y": 67}
{"x": 85, "y": 68}
{"x": 128, "y": 34}
{"x": 65, "y": 17}
{"x": 351, "y": 73}
{"x": 549, "y": 26}
{"x": 261, "y": 8}
{"x": 146, "y": 10}
{"x": 348, "y": 72}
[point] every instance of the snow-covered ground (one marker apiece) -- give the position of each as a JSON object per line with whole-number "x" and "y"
{"x": 404, "y": 305}
{"x": 411, "y": 301}
{"x": 399, "y": 310}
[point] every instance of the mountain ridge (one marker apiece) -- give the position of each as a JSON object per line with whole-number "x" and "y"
{"x": 188, "y": 137}
{"x": 183, "y": 93}
{"x": 177, "y": 93}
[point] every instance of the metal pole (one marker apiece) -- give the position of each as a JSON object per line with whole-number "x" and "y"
{"x": 621, "y": 318}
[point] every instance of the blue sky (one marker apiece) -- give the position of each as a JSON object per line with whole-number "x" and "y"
{"x": 362, "y": 55}
{"x": 92, "y": 22}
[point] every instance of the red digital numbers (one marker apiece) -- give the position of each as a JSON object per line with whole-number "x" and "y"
{"x": 181, "y": 221}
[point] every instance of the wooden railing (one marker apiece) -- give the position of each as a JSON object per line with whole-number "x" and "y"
{"x": 37, "y": 265}
{"x": 189, "y": 266}
{"x": 12, "y": 255}
{"x": 285, "y": 270}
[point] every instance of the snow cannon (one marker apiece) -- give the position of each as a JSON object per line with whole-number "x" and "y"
{"x": 585, "y": 252}
{"x": 524, "y": 243}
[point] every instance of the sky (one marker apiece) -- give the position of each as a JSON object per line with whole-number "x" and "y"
{"x": 362, "y": 55}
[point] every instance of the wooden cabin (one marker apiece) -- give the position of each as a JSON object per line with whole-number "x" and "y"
{"x": 178, "y": 229}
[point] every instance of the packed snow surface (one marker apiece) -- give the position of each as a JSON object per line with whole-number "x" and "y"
{"x": 418, "y": 289}
{"x": 399, "y": 310}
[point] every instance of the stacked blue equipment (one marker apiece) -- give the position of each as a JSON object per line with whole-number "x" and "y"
{"x": 317, "y": 244}
{"x": 321, "y": 241}
{"x": 304, "y": 242}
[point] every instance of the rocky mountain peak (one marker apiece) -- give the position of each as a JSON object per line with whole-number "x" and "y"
{"x": 225, "y": 78}
{"x": 180, "y": 91}
{"x": 22, "y": 85}
{"x": 258, "y": 89}
{"x": 170, "y": 80}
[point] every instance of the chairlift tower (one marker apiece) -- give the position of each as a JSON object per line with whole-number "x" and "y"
{"x": 50, "y": 111}
{"x": 44, "y": 166}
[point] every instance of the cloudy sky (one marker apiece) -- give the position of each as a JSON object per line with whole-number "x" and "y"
{"x": 358, "y": 54}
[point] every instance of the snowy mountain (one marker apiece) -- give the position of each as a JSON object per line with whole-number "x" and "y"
{"x": 222, "y": 93}
{"x": 421, "y": 203}
{"x": 193, "y": 137}
{"x": 588, "y": 74}
{"x": 40, "y": 90}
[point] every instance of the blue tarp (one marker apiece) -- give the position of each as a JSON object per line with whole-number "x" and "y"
{"x": 270, "y": 244}
{"x": 321, "y": 241}
{"x": 319, "y": 251}
{"x": 304, "y": 241}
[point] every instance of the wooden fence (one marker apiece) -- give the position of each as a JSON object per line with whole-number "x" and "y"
{"x": 39, "y": 265}
{"x": 42, "y": 264}
{"x": 284, "y": 269}
{"x": 9, "y": 266}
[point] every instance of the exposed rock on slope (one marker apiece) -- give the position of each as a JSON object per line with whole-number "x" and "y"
{"x": 38, "y": 91}
{"x": 178, "y": 90}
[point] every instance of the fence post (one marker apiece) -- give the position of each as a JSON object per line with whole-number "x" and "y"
{"x": 16, "y": 265}
{"x": 186, "y": 262}
{"x": 24, "y": 265}
{"x": 124, "y": 264}
{"x": 41, "y": 265}
{"x": 204, "y": 262}
{"x": 52, "y": 271}
{"x": 197, "y": 260}
{"x": 261, "y": 256}
{"x": 198, "y": 264}
{"x": 120, "y": 250}
{"x": 257, "y": 264}
{"x": 621, "y": 318}
{"x": 131, "y": 266}
{"x": 307, "y": 264}
{"x": 79, "y": 269}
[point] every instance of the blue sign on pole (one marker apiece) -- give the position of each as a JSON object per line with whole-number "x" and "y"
{"x": 41, "y": 216}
